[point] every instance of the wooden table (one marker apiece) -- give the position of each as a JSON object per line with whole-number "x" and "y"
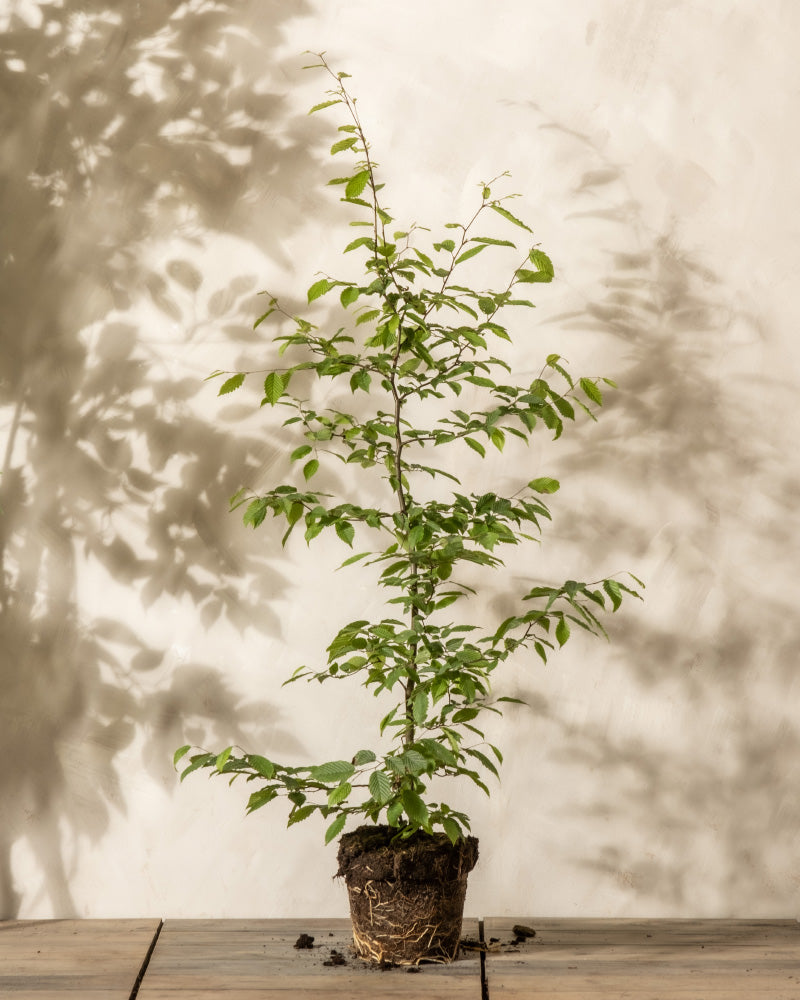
{"x": 568, "y": 959}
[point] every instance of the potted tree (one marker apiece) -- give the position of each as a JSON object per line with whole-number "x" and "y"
{"x": 413, "y": 338}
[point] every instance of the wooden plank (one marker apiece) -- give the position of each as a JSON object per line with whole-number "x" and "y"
{"x": 49, "y": 959}
{"x": 256, "y": 960}
{"x": 645, "y": 959}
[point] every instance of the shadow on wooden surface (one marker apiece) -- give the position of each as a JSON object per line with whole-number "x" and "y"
{"x": 567, "y": 959}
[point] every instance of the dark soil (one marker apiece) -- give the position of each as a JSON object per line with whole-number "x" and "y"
{"x": 406, "y": 896}
{"x": 304, "y": 941}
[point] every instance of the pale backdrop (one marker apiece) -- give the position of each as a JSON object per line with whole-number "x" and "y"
{"x": 160, "y": 170}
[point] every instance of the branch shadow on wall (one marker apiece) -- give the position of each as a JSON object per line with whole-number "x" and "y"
{"x": 685, "y": 470}
{"x": 122, "y": 126}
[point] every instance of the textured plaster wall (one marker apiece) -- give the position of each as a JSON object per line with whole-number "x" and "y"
{"x": 159, "y": 170}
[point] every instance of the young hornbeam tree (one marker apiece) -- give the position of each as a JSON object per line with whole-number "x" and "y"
{"x": 412, "y": 333}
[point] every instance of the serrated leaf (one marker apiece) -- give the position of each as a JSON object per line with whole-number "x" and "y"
{"x": 451, "y": 828}
{"x": 274, "y": 386}
{"x": 339, "y": 794}
{"x": 380, "y": 787}
{"x": 393, "y": 812}
{"x": 470, "y": 253}
{"x": 319, "y": 288}
{"x": 310, "y": 468}
{"x": 511, "y": 218}
{"x": 299, "y": 814}
{"x": 591, "y": 390}
{"x": 301, "y": 452}
{"x": 476, "y": 446}
{"x": 541, "y": 262}
{"x": 368, "y": 316}
{"x": 562, "y": 631}
{"x": 260, "y": 798}
{"x": 333, "y": 770}
{"x": 222, "y": 758}
{"x": 230, "y": 384}
{"x": 354, "y": 559}
{"x": 345, "y": 531}
{"x": 325, "y": 104}
{"x": 335, "y": 828}
{"x": 349, "y": 295}
{"x": 414, "y": 807}
{"x": 420, "y": 707}
{"x": 614, "y": 591}
{"x": 545, "y": 484}
{"x": 364, "y": 757}
{"x": 356, "y": 184}
{"x": 486, "y": 305}
{"x": 180, "y": 753}
{"x": 343, "y": 144}
{"x": 264, "y": 767}
{"x": 532, "y": 277}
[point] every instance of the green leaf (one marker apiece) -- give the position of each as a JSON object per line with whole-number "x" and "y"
{"x": 360, "y": 379}
{"x": 354, "y": 559}
{"x": 614, "y": 591}
{"x": 230, "y": 384}
{"x": 394, "y": 812}
{"x": 342, "y": 144}
{"x": 562, "y": 631}
{"x": 345, "y": 531}
{"x": 260, "y": 798}
{"x": 299, "y": 814}
{"x": 319, "y": 288}
{"x": 340, "y": 793}
{"x": 541, "y": 262}
{"x": 476, "y": 446}
{"x": 274, "y": 387}
{"x": 452, "y": 829}
{"x": 349, "y": 295}
{"x": 367, "y": 317}
{"x": 335, "y": 828}
{"x": 180, "y": 753}
{"x": 362, "y": 241}
{"x": 364, "y": 757}
{"x": 591, "y": 390}
{"x": 262, "y": 317}
{"x": 334, "y": 770}
{"x": 356, "y": 184}
{"x": 301, "y": 452}
{"x": 545, "y": 484}
{"x": 511, "y": 218}
{"x": 532, "y": 277}
{"x": 380, "y": 787}
{"x": 222, "y": 758}
{"x": 264, "y": 767}
{"x": 486, "y": 305}
{"x": 420, "y": 707}
{"x": 493, "y": 242}
{"x": 414, "y": 807}
{"x": 470, "y": 253}
{"x": 325, "y": 104}
{"x": 310, "y": 468}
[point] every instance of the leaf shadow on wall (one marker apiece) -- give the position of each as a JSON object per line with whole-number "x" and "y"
{"x": 686, "y": 472}
{"x": 122, "y": 125}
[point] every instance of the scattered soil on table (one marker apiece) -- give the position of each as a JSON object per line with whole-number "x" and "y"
{"x": 337, "y": 958}
{"x": 304, "y": 941}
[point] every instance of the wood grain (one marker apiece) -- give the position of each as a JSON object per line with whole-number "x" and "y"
{"x": 256, "y": 960}
{"x": 49, "y": 959}
{"x": 645, "y": 959}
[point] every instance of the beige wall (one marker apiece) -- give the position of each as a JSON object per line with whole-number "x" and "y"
{"x": 162, "y": 173}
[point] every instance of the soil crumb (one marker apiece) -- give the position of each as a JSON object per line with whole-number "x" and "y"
{"x": 304, "y": 941}
{"x": 337, "y": 958}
